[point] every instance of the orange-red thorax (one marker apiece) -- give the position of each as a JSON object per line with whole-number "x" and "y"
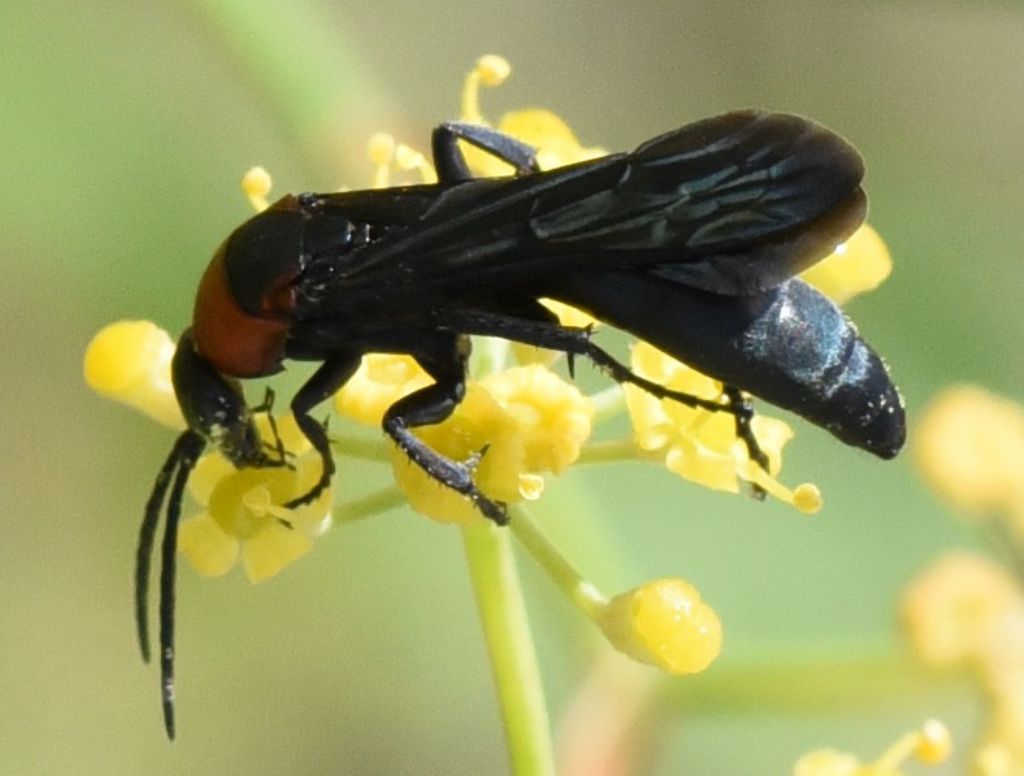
{"x": 235, "y": 342}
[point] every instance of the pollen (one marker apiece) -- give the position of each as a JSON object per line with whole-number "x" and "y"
{"x": 665, "y": 624}
{"x": 130, "y": 362}
{"x": 256, "y": 185}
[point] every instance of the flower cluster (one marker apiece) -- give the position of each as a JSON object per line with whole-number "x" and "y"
{"x": 965, "y": 610}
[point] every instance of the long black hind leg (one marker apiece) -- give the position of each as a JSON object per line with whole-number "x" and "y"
{"x": 443, "y": 358}
{"x": 451, "y": 164}
{"x": 570, "y": 341}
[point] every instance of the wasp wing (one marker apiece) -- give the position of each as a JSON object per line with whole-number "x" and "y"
{"x": 732, "y": 204}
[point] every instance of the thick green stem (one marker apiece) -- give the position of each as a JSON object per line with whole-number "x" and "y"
{"x": 510, "y": 646}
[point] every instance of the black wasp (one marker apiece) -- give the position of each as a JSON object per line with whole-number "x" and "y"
{"x": 690, "y": 242}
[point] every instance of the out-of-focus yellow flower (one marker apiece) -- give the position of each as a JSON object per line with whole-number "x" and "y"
{"x": 520, "y": 423}
{"x": 956, "y": 610}
{"x": 930, "y": 745}
{"x": 702, "y": 445}
{"x": 860, "y": 264}
{"x": 970, "y": 448}
{"x": 130, "y": 362}
{"x": 243, "y": 513}
{"x": 665, "y": 624}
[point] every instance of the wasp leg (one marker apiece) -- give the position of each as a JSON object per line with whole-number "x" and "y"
{"x": 451, "y": 164}
{"x": 326, "y": 380}
{"x": 576, "y": 341}
{"x": 267, "y": 407}
{"x": 433, "y": 404}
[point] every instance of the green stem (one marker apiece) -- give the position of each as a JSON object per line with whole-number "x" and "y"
{"x": 510, "y": 646}
{"x": 611, "y": 451}
{"x": 581, "y": 592}
{"x": 312, "y": 77}
{"x": 608, "y": 403}
{"x": 358, "y": 447}
{"x": 810, "y": 678}
{"x": 370, "y": 505}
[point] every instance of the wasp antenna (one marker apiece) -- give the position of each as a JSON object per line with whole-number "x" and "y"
{"x": 144, "y": 552}
{"x": 186, "y": 452}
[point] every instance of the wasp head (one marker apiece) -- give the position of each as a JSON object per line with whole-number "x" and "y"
{"x": 214, "y": 405}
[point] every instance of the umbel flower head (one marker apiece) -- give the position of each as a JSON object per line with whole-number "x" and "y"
{"x": 966, "y": 611}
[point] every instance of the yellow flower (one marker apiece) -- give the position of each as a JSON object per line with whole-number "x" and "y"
{"x": 860, "y": 264}
{"x": 702, "y": 445}
{"x": 130, "y": 362}
{"x": 931, "y": 745}
{"x": 665, "y": 624}
{"x": 955, "y": 611}
{"x": 380, "y": 381}
{"x": 243, "y": 513}
{"x": 520, "y": 424}
{"x": 970, "y": 448}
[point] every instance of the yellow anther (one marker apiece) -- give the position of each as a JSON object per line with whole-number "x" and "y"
{"x": 381, "y": 151}
{"x": 490, "y": 70}
{"x": 934, "y": 744}
{"x": 493, "y": 69}
{"x": 807, "y": 498}
{"x": 256, "y": 186}
{"x": 408, "y": 158}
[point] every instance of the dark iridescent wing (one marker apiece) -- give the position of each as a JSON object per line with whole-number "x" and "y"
{"x": 733, "y": 204}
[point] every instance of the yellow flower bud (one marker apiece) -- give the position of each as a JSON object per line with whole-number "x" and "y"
{"x": 130, "y": 362}
{"x": 665, "y": 624}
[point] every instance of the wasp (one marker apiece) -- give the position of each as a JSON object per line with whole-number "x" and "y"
{"x": 690, "y": 242}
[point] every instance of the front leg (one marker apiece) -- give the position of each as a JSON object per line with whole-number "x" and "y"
{"x": 324, "y": 383}
{"x": 445, "y": 361}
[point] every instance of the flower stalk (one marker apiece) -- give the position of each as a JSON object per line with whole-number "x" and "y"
{"x": 499, "y": 598}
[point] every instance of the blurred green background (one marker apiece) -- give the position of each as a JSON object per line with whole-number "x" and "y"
{"x": 124, "y": 130}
